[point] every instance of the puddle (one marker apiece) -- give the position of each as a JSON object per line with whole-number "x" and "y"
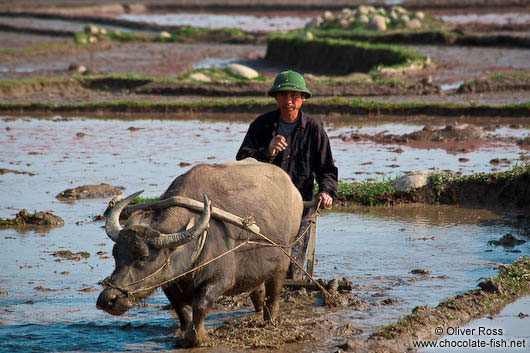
{"x": 450, "y": 86}
{"x": 213, "y": 62}
{"x": 489, "y": 18}
{"x": 57, "y": 25}
{"x": 210, "y": 20}
{"x": 49, "y": 305}
{"x": 506, "y": 331}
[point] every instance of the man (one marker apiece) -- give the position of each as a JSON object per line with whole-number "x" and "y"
{"x": 290, "y": 139}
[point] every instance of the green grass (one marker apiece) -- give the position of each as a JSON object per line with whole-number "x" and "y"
{"x": 505, "y": 176}
{"x": 355, "y": 55}
{"x": 369, "y": 194}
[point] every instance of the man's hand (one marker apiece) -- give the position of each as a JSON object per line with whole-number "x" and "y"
{"x": 325, "y": 199}
{"x": 277, "y": 144}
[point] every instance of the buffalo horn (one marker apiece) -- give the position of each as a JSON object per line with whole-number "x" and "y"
{"x": 185, "y": 236}
{"x": 112, "y": 224}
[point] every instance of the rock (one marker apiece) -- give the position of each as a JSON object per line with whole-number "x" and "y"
{"x": 410, "y": 181}
{"x": 344, "y": 23}
{"x": 242, "y": 71}
{"x": 199, "y": 76}
{"x": 413, "y": 24}
{"x": 77, "y": 68}
{"x": 309, "y": 36}
{"x": 328, "y": 16}
{"x": 363, "y": 10}
{"x": 315, "y": 23}
{"x": 377, "y": 23}
{"x": 399, "y": 10}
{"x": 490, "y": 286}
{"x": 507, "y": 240}
{"x": 91, "y": 29}
{"x": 404, "y": 18}
{"x": 420, "y": 271}
{"x": 164, "y": 35}
{"x": 90, "y": 192}
{"x": 364, "y": 19}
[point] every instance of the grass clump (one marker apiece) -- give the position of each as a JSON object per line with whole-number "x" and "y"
{"x": 368, "y": 194}
{"x": 485, "y": 178}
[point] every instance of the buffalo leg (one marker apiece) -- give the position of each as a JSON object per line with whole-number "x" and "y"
{"x": 195, "y": 333}
{"x": 272, "y": 299}
{"x": 182, "y": 309}
{"x": 258, "y": 297}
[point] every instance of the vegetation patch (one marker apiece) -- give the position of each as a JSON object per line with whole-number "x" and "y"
{"x": 319, "y": 106}
{"x": 340, "y": 56}
{"x": 507, "y": 188}
{"x": 167, "y": 34}
{"x": 68, "y": 255}
{"x": 493, "y": 294}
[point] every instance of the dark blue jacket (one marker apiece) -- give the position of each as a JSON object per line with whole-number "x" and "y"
{"x": 308, "y": 154}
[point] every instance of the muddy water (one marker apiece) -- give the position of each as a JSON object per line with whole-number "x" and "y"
{"x": 47, "y": 303}
{"x": 506, "y": 331}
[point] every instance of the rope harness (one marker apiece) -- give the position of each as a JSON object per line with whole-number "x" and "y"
{"x": 246, "y": 226}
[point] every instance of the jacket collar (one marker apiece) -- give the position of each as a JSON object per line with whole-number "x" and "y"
{"x": 302, "y": 117}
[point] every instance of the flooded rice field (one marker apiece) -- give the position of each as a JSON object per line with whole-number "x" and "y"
{"x": 47, "y": 300}
{"x": 245, "y": 22}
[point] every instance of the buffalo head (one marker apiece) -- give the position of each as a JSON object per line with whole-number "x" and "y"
{"x": 145, "y": 258}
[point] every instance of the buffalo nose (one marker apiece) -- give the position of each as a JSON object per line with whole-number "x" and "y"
{"x": 106, "y": 299}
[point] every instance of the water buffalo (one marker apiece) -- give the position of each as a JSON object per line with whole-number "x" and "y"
{"x": 151, "y": 256}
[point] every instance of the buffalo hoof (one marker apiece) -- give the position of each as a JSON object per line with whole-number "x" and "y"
{"x": 195, "y": 336}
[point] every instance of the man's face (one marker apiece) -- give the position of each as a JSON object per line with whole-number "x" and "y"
{"x": 289, "y": 101}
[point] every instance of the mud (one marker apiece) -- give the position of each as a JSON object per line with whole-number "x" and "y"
{"x": 456, "y": 132}
{"x": 5, "y": 171}
{"x": 37, "y": 219}
{"x": 498, "y": 84}
{"x": 90, "y": 192}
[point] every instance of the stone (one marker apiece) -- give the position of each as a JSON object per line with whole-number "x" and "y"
{"x": 328, "y": 16}
{"x": 377, "y": 23}
{"x": 164, "y": 35}
{"x": 77, "y": 68}
{"x": 315, "y": 23}
{"x": 91, "y": 29}
{"x": 199, "y": 76}
{"x": 404, "y": 18}
{"x": 412, "y": 180}
{"x": 242, "y": 71}
{"x": 363, "y": 10}
{"x": 364, "y": 19}
{"x": 413, "y": 24}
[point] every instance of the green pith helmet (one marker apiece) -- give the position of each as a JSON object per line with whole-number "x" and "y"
{"x": 289, "y": 81}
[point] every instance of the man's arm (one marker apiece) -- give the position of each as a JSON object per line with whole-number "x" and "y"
{"x": 254, "y": 145}
{"x": 326, "y": 172}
